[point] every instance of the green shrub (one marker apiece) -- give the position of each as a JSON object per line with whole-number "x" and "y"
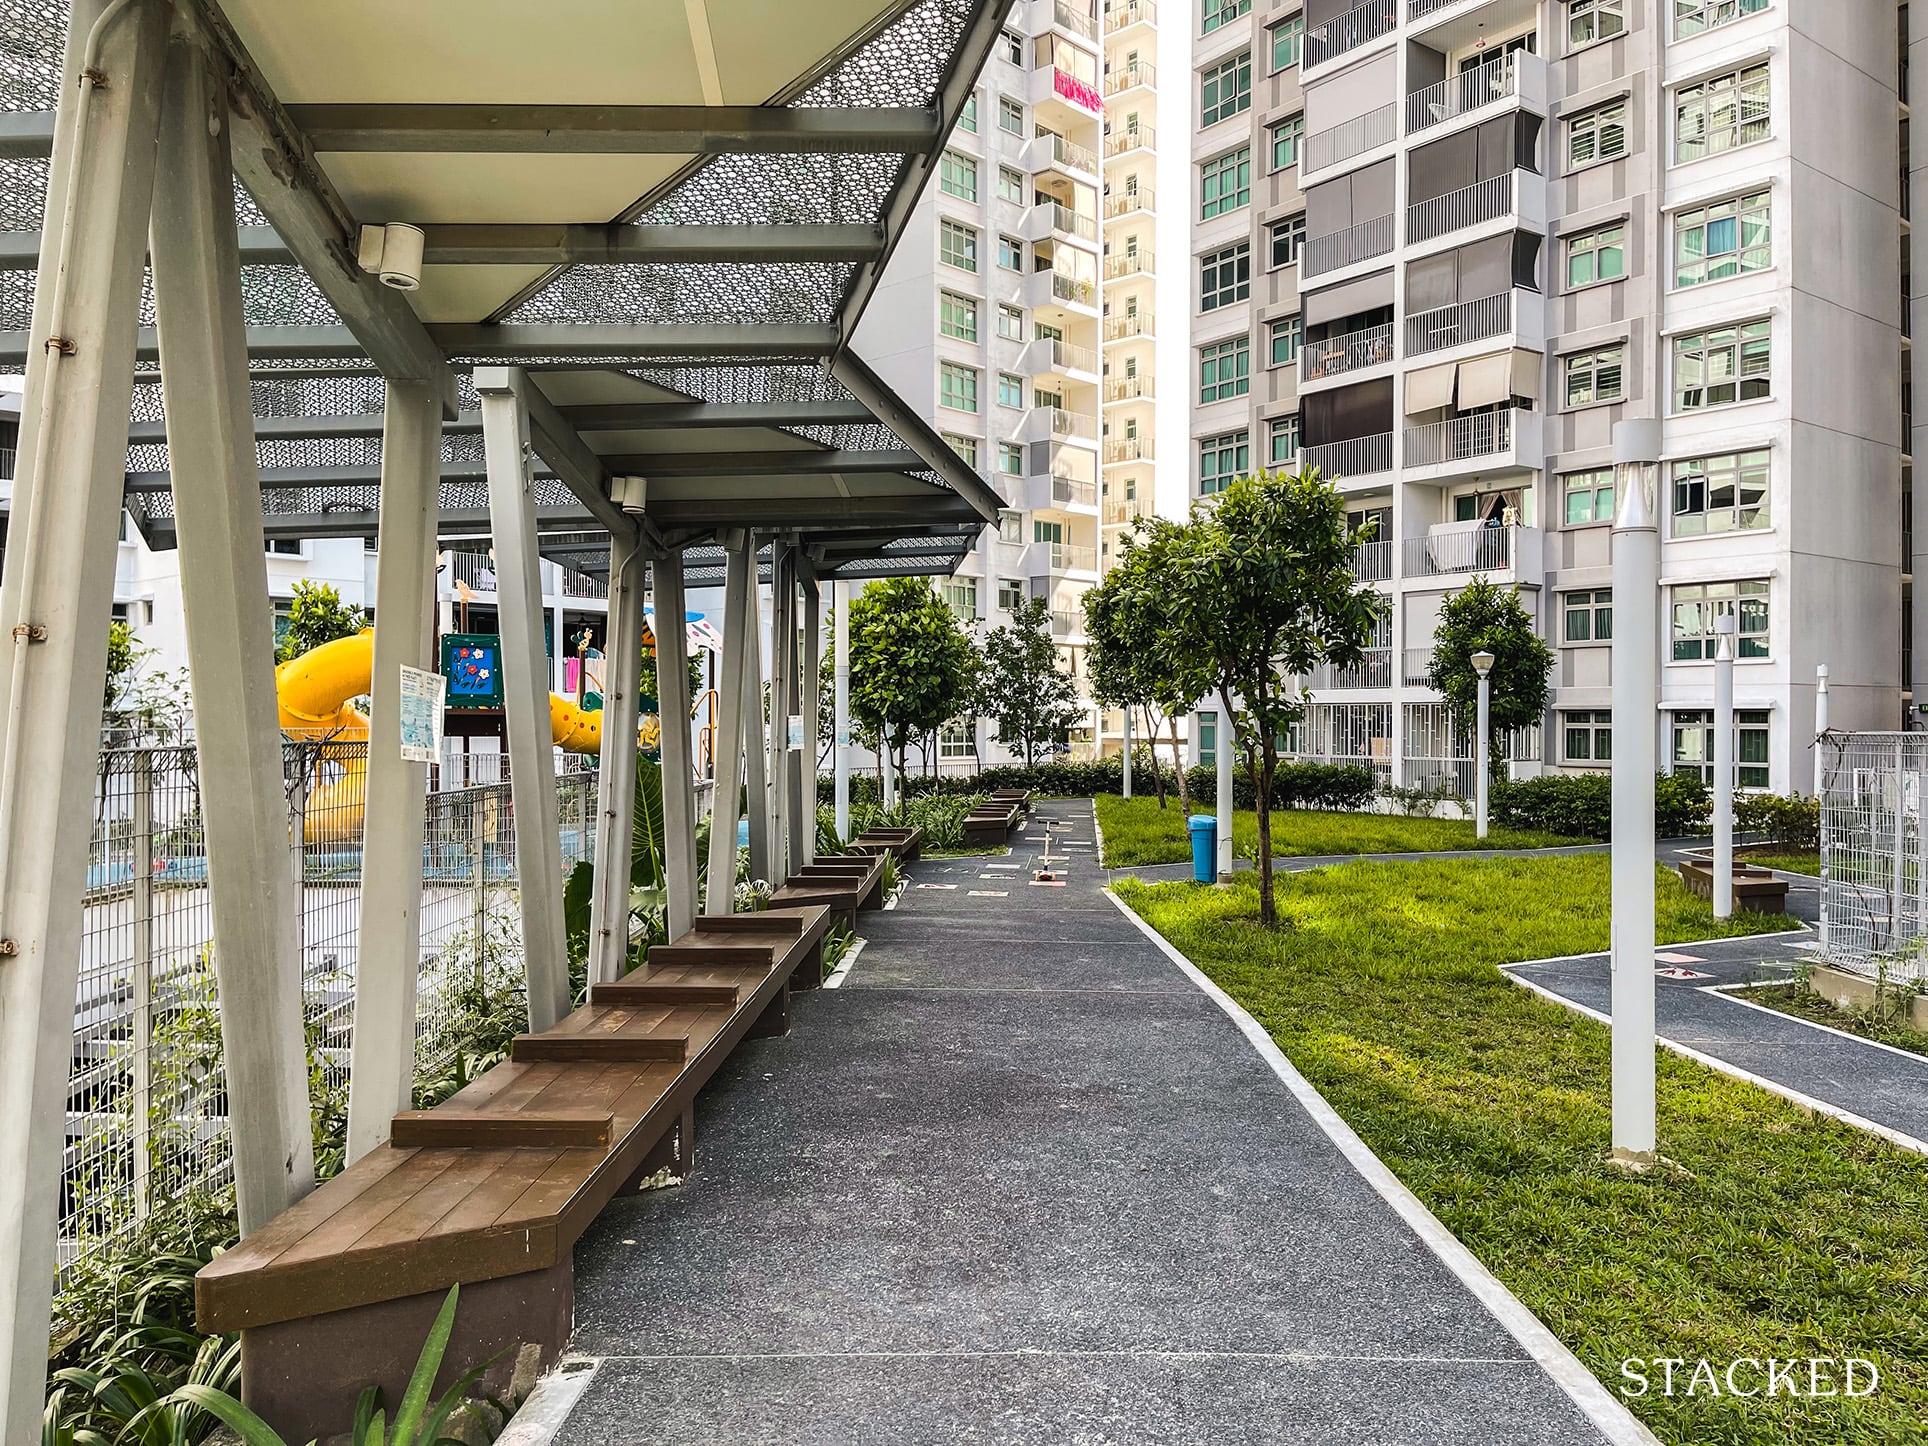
{"x": 1346, "y": 786}
{"x": 1580, "y": 805}
{"x": 941, "y": 816}
{"x": 1063, "y": 780}
{"x": 1789, "y": 820}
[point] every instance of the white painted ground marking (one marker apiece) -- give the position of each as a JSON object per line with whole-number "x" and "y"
{"x": 1582, "y": 1387}
{"x": 1679, "y": 959}
{"x": 1676, "y": 972}
{"x": 539, "y": 1418}
{"x": 937, "y": 886}
{"x": 990, "y": 893}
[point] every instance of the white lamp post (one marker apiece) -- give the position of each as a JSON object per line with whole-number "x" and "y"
{"x": 1483, "y": 665}
{"x": 1127, "y": 751}
{"x": 1820, "y": 723}
{"x": 1724, "y": 629}
{"x": 1224, "y": 771}
{"x": 1636, "y": 703}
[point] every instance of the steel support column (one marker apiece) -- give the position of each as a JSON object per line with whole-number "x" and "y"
{"x": 616, "y": 789}
{"x": 840, "y": 720}
{"x": 812, "y": 686}
{"x": 230, "y": 642}
{"x": 673, "y": 704}
{"x": 381, "y": 1074}
{"x": 726, "y": 743}
{"x": 525, "y": 691}
{"x": 756, "y": 753}
{"x": 777, "y": 742}
{"x": 55, "y": 607}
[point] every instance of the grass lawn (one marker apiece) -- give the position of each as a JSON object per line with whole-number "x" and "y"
{"x": 1783, "y": 1235}
{"x": 1795, "y": 1000}
{"x": 1795, "y": 863}
{"x": 1137, "y": 831}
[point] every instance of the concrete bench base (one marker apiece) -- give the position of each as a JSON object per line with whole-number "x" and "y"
{"x": 1757, "y": 891}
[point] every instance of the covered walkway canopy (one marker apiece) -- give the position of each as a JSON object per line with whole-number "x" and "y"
{"x": 646, "y": 233}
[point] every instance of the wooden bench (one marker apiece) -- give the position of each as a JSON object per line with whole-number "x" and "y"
{"x": 1020, "y": 796}
{"x": 492, "y": 1188}
{"x": 1756, "y": 890}
{"x": 990, "y": 824}
{"x": 906, "y": 845}
{"x": 842, "y": 883}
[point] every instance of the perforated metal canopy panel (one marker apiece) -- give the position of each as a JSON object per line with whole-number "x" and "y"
{"x": 671, "y": 215}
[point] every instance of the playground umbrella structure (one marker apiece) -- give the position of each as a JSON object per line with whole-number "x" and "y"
{"x": 646, "y": 233}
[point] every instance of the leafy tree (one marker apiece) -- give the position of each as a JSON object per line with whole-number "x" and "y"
{"x": 1262, "y": 588}
{"x": 1130, "y": 662}
{"x": 124, "y": 651}
{"x": 317, "y": 615}
{"x": 142, "y": 704}
{"x": 1021, "y": 685}
{"x": 909, "y": 660}
{"x": 1481, "y": 616}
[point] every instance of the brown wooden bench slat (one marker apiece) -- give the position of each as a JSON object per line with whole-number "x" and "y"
{"x": 651, "y": 991}
{"x": 759, "y": 955}
{"x": 419, "y": 1128}
{"x": 599, "y": 1048}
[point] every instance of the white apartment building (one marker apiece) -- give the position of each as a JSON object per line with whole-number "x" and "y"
{"x": 1478, "y": 233}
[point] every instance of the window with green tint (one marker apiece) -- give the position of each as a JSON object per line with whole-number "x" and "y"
{"x": 965, "y": 447}
{"x": 967, "y": 117}
{"x": 1288, "y": 42}
{"x": 1721, "y": 113}
{"x": 1288, "y": 335}
{"x": 1225, "y": 276}
{"x": 1282, "y": 439}
{"x": 1693, "y": 745}
{"x": 1207, "y": 735}
{"x": 1728, "y": 238}
{"x": 1223, "y": 12}
{"x": 1695, "y": 606}
{"x": 957, "y": 245}
{"x": 1010, "y": 254}
{"x": 1010, "y": 116}
{"x": 1226, "y": 90}
{"x": 1589, "y": 497}
{"x": 1010, "y": 323}
{"x": 1724, "y": 493}
{"x": 1288, "y": 239}
{"x": 1588, "y": 735}
{"x": 957, "y": 316}
{"x": 1010, "y": 185}
{"x": 1010, "y": 390}
{"x": 1222, "y": 460}
{"x": 957, "y": 387}
{"x": 1010, "y": 458}
{"x": 1288, "y": 139}
{"x": 1591, "y": 20}
{"x": 1042, "y": 531}
{"x": 1593, "y": 377}
{"x": 1691, "y": 17}
{"x": 1225, "y": 183}
{"x": 1587, "y": 616}
{"x": 1598, "y": 135}
{"x": 957, "y": 176}
{"x": 1722, "y": 367}
{"x": 1597, "y": 255}
{"x": 1225, "y": 370}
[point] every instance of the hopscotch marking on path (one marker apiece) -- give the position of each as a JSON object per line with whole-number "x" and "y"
{"x": 990, "y": 893}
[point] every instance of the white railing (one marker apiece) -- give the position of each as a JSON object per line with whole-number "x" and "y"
{"x": 1077, "y": 21}
{"x": 1070, "y": 557}
{"x": 1068, "y": 356}
{"x": 1450, "y": 326}
{"x": 1125, "y": 510}
{"x": 1351, "y": 138}
{"x": 1072, "y": 492}
{"x": 1132, "y": 12}
{"x": 1454, "y": 96}
{"x": 1374, "y": 671}
{"x": 1127, "y": 76}
{"x": 1127, "y": 263}
{"x": 1070, "y": 153}
{"x": 1337, "y": 355}
{"x": 7, "y": 473}
{"x": 1474, "y": 549}
{"x": 1127, "y": 449}
{"x": 1420, "y": 9}
{"x": 1128, "y": 389}
{"x": 1460, "y": 439}
{"x": 1486, "y": 200}
{"x": 1063, "y": 623}
{"x": 1417, "y": 671}
{"x": 1062, "y": 218}
{"x": 1372, "y": 561}
{"x": 1349, "y": 31}
{"x": 1072, "y": 424}
{"x": 1358, "y": 457}
{"x": 1125, "y": 202}
{"x": 581, "y": 584}
{"x": 1072, "y": 289}
{"x": 1129, "y": 139}
{"x": 1132, "y": 323}
{"x": 1343, "y": 248}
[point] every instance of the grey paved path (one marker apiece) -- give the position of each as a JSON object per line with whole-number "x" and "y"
{"x": 1885, "y": 1086}
{"x": 1019, "y": 1180}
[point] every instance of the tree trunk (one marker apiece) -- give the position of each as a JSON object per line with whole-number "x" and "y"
{"x": 1262, "y": 798}
{"x": 1157, "y": 773}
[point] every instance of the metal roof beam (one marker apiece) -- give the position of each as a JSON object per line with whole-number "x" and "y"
{"x": 26, "y": 135}
{"x": 797, "y": 463}
{"x": 697, "y": 130}
{"x": 642, "y": 339}
{"x": 618, "y": 243}
{"x": 867, "y": 387}
{"x": 259, "y": 246}
{"x": 308, "y": 429}
{"x": 558, "y": 444}
{"x": 658, "y": 416}
{"x": 316, "y": 343}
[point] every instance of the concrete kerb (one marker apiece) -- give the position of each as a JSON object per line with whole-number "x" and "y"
{"x": 540, "y": 1417}
{"x": 1581, "y": 1386}
{"x": 1726, "y": 992}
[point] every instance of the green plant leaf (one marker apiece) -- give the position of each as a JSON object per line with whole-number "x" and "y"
{"x": 408, "y": 1415}
{"x": 230, "y": 1413}
{"x": 646, "y": 866}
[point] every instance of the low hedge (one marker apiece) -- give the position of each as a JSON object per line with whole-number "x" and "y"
{"x": 1788, "y": 820}
{"x": 1296, "y": 785}
{"x": 1580, "y": 805}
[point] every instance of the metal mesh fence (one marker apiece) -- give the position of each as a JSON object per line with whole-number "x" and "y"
{"x": 1874, "y": 855}
{"x": 146, "y": 1094}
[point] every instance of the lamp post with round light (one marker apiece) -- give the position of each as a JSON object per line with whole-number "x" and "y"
{"x": 1482, "y": 662}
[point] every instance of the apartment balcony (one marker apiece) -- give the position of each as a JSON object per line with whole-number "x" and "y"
{"x": 1338, "y": 356}
{"x": 1126, "y": 449}
{"x": 1130, "y": 77}
{"x": 1048, "y": 356}
{"x": 1061, "y": 492}
{"x": 1055, "y": 153}
{"x": 1482, "y": 91}
{"x": 1074, "y": 19}
{"x": 1341, "y": 143}
{"x": 1129, "y": 389}
{"x": 1041, "y": 558}
{"x": 1055, "y": 219}
{"x": 1515, "y": 313}
{"x": 1059, "y": 424}
{"x": 1065, "y": 624}
{"x": 1480, "y": 441}
{"x": 1053, "y": 288}
{"x": 1053, "y": 87}
{"x": 1131, "y": 138}
{"x": 1123, "y": 511}
{"x": 1124, "y": 16}
{"x": 1454, "y": 550}
{"x": 1125, "y": 203}
{"x": 1427, "y": 19}
{"x": 1345, "y": 33}
{"x": 1357, "y": 458}
{"x": 1129, "y": 263}
{"x": 1132, "y": 323}
{"x": 1340, "y": 249}
{"x": 1518, "y": 197}
{"x": 1416, "y": 668}
{"x": 1374, "y": 671}
{"x": 1372, "y": 561}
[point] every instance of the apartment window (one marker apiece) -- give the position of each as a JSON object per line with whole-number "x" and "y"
{"x": 960, "y": 595}
{"x": 1595, "y": 376}
{"x": 957, "y": 387}
{"x": 1598, "y": 255}
{"x": 1225, "y": 183}
{"x": 957, "y": 245}
{"x": 1727, "y": 493}
{"x": 1223, "y": 12}
{"x": 957, "y": 316}
{"x": 1010, "y": 185}
{"x": 1042, "y": 531}
{"x": 955, "y": 740}
{"x": 1288, "y": 240}
{"x": 1693, "y": 745}
{"x": 1225, "y": 276}
{"x": 1222, "y": 459}
{"x": 1010, "y": 459}
{"x": 1587, "y": 616}
{"x": 1282, "y": 439}
{"x": 1207, "y": 735}
{"x": 1225, "y": 370}
{"x": 965, "y": 447}
{"x": 1010, "y": 323}
{"x": 1010, "y": 390}
{"x": 1599, "y": 135}
{"x": 1010, "y": 594}
{"x": 1010, "y": 116}
{"x": 1719, "y": 368}
{"x": 1010, "y": 253}
{"x": 1288, "y": 42}
{"x": 1226, "y": 90}
{"x": 957, "y": 176}
{"x": 1010, "y": 526}
{"x": 1589, "y": 497}
{"x": 1013, "y": 47}
{"x": 1728, "y": 238}
{"x": 1691, "y": 17}
{"x": 1288, "y": 140}
{"x": 967, "y": 117}
{"x": 1720, "y": 114}
{"x": 1288, "y": 335}
{"x": 1587, "y": 736}
{"x": 1591, "y": 20}
{"x": 1695, "y": 607}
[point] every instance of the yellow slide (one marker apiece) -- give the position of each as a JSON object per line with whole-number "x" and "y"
{"x": 313, "y": 692}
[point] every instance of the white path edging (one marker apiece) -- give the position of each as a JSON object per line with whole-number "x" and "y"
{"x": 1734, "y": 1071}
{"x": 836, "y": 979}
{"x": 1614, "y": 1421}
{"x": 539, "y": 1418}
{"x": 1725, "y": 992}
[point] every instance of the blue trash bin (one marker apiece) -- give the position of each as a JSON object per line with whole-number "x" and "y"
{"x": 1204, "y": 829}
